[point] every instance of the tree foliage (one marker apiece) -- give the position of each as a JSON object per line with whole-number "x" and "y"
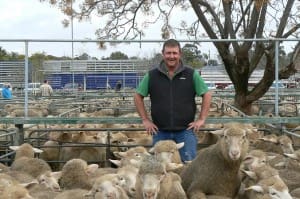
{"x": 8, "y": 56}
{"x": 117, "y": 56}
{"x": 220, "y": 19}
{"x": 192, "y": 56}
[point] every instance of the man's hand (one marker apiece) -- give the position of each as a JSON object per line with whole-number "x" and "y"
{"x": 196, "y": 125}
{"x": 150, "y": 127}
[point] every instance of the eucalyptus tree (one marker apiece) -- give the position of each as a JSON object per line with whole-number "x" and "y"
{"x": 227, "y": 20}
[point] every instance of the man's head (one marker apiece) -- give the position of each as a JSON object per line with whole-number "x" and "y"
{"x": 171, "y": 53}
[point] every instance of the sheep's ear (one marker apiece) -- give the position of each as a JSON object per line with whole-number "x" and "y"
{"x": 251, "y": 174}
{"x": 29, "y": 184}
{"x": 88, "y": 194}
{"x": 131, "y": 140}
{"x": 36, "y": 150}
{"x": 57, "y": 175}
{"x": 119, "y": 154}
{"x": 292, "y": 156}
{"x": 271, "y": 157}
{"x": 180, "y": 145}
{"x": 152, "y": 150}
{"x": 256, "y": 188}
{"x": 91, "y": 168}
{"x": 115, "y": 162}
{"x": 188, "y": 162}
{"x": 14, "y": 148}
{"x": 218, "y": 132}
{"x": 280, "y": 164}
{"x": 248, "y": 159}
{"x": 171, "y": 166}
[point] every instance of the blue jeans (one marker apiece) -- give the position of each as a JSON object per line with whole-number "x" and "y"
{"x": 189, "y": 150}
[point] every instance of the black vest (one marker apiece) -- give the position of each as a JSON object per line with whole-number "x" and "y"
{"x": 173, "y": 103}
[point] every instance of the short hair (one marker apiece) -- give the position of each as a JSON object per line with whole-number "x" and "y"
{"x": 171, "y": 43}
{"x": 45, "y": 81}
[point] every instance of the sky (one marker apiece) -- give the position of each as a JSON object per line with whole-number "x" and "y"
{"x": 30, "y": 19}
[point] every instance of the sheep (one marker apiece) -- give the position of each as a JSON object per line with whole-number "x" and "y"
{"x": 76, "y": 174}
{"x": 87, "y": 153}
{"x": 47, "y": 186}
{"x": 296, "y": 193}
{"x": 31, "y": 113}
{"x": 25, "y": 162}
{"x": 4, "y": 168}
{"x": 290, "y": 177}
{"x": 262, "y": 178}
{"x": 73, "y": 193}
{"x": 129, "y": 174}
{"x": 276, "y": 144}
{"x": 215, "y": 169}
{"x": 107, "y": 186}
{"x": 10, "y": 188}
{"x": 254, "y": 159}
{"x": 16, "y": 192}
{"x": 273, "y": 187}
{"x": 167, "y": 150}
{"x": 132, "y": 156}
{"x": 51, "y": 153}
{"x": 154, "y": 182}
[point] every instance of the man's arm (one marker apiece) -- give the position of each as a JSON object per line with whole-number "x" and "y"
{"x": 140, "y": 107}
{"x": 206, "y": 100}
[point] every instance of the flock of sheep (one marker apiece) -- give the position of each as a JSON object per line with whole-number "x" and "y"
{"x": 238, "y": 161}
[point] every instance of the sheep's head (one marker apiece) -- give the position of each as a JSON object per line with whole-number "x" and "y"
{"x": 255, "y": 159}
{"x": 150, "y": 175}
{"x": 273, "y": 187}
{"x": 50, "y": 180}
{"x": 234, "y": 142}
{"x": 128, "y": 174}
{"x": 286, "y": 144}
{"x": 106, "y": 186}
{"x": 166, "y": 149}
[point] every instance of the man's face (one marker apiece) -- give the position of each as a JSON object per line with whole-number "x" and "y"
{"x": 171, "y": 56}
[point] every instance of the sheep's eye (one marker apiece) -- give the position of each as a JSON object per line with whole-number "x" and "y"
{"x": 42, "y": 180}
{"x": 137, "y": 155}
{"x": 273, "y": 193}
{"x": 99, "y": 189}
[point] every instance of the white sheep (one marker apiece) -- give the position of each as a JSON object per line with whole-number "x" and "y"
{"x": 108, "y": 186}
{"x": 132, "y": 156}
{"x": 16, "y": 192}
{"x": 167, "y": 151}
{"x": 10, "y": 188}
{"x": 129, "y": 174}
{"x": 86, "y": 152}
{"x": 73, "y": 194}
{"x": 76, "y": 174}
{"x": 215, "y": 169}
{"x": 154, "y": 182}
{"x": 25, "y": 162}
{"x": 273, "y": 187}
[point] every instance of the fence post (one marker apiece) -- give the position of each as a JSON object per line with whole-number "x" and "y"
{"x": 20, "y": 134}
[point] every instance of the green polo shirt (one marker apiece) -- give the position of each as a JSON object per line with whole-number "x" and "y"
{"x": 199, "y": 84}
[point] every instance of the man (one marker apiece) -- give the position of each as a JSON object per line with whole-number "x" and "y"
{"x": 118, "y": 85}
{"x": 46, "y": 89}
{"x": 6, "y": 92}
{"x": 172, "y": 87}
